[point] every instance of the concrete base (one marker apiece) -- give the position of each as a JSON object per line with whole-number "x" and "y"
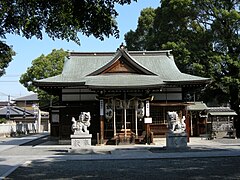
{"x": 79, "y": 141}
{"x": 81, "y": 150}
{"x": 176, "y": 140}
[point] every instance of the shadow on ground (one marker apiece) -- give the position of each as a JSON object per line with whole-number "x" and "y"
{"x": 192, "y": 168}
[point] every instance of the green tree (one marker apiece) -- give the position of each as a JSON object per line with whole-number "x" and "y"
{"x": 43, "y": 67}
{"x": 3, "y": 120}
{"x": 142, "y": 38}
{"x": 205, "y": 38}
{"x": 60, "y": 19}
{"x": 6, "y": 54}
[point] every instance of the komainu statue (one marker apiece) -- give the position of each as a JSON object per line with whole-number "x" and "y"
{"x": 175, "y": 124}
{"x": 80, "y": 126}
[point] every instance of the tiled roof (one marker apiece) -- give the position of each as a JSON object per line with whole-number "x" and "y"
{"x": 31, "y": 97}
{"x": 197, "y": 106}
{"x": 221, "y": 111}
{"x": 81, "y": 68}
{"x": 15, "y": 111}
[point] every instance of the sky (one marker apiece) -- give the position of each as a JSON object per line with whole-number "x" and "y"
{"x": 29, "y": 49}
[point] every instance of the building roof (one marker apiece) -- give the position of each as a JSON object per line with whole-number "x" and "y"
{"x": 221, "y": 111}
{"x": 135, "y": 69}
{"x": 3, "y": 103}
{"x": 197, "y": 106}
{"x": 31, "y": 97}
{"x": 212, "y": 111}
{"x": 15, "y": 111}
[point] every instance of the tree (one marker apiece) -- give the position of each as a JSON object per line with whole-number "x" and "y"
{"x": 141, "y": 39}
{"x": 59, "y": 19}
{"x": 43, "y": 67}
{"x": 6, "y": 54}
{"x": 205, "y": 38}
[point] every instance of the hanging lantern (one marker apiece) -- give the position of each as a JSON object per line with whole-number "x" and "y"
{"x": 140, "y": 110}
{"x": 108, "y": 111}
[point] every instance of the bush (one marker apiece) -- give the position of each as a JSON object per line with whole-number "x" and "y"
{"x": 3, "y": 120}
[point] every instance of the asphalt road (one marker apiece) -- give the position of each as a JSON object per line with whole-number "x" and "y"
{"x": 187, "y": 168}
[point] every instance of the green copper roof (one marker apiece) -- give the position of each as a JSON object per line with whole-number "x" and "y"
{"x": 158, "y": 69}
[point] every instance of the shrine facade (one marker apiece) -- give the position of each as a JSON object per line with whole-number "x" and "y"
{"x": 127, "y": 93}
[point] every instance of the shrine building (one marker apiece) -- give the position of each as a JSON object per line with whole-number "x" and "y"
{"x": 126, "y": 93}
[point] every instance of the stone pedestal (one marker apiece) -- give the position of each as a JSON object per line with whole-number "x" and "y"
{"x": 81, "y": 140}
{"x": 176, "y": 140}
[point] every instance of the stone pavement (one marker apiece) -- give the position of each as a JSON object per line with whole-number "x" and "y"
{"x": 18, "y": 157}
{"x": 7, "y": 165}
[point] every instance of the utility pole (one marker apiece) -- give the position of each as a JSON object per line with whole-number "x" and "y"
{"x": 8, "y": 108}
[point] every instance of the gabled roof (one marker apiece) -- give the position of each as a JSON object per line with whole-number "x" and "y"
{"x": 147, "y": 69}
{"x": 31, "y": 97}
{"x": 15, "y": 111}
{"x": 197, "y": 106}
{"x": 125, "y": 58}
{"x": 221, "y": 111}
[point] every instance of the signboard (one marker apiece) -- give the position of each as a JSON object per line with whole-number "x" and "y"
{"x": 101, "y": 107}
{"x": 148, "y": 120}
{"x": 55, "y": 118}
{"x": 147, "y": 108}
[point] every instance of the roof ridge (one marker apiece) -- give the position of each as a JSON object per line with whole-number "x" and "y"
{"x": 121, "y": 52}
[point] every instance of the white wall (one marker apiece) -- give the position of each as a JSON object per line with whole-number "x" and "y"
{"x": 14, "y": 129}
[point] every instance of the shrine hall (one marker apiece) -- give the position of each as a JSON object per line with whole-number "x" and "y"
{"x": 128, "y": 93}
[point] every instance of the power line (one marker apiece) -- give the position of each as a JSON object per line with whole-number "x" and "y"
{"x": 3, "y": 94}
{"x": 11, "y": 75}
{"x": 9, "y": 81}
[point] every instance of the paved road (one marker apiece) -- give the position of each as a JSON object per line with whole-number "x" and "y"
{"x": 204, "y": 160}
{"x": 9, "y": 162}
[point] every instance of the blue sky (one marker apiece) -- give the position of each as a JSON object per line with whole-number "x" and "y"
{"x": 29, "y": 49}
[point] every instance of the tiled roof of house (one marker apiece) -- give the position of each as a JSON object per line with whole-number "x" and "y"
{"x": 31, "y": 97}
{"x": 15, "y": 111}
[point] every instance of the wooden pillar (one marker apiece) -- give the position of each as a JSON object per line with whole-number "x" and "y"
{"x": 148, "y": 130}
{"x": 114, "y": 118}
{"x": 136, "y": 118}
{"x": 125, "y": 114}
{"x": 191, "y": 123}
{"x": 101, "y": 121}
{"x": 102, "y": 130}
{"x": 188, "y": 128}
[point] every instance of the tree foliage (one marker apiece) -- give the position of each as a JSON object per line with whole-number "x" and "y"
{"x": 60, "y": 19}
{"x": 141, "y": 39}
{"x": 43, "y": 67}
{"x": 6, "y": 54}
{"x": 205, "y": 38}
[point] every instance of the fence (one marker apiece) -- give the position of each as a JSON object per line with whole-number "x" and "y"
{"x": 15, "y": 129}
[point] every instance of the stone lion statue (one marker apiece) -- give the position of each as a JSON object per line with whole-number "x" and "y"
{"x": 175, "y": 124}
{"x": 80, "y": 125}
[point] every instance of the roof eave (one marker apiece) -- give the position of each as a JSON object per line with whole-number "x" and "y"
{"x": 58, "y": 84}
{"x": 189, "y": 82}
{"x": 126, "y": 87}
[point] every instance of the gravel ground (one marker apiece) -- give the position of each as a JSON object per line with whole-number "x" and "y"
{"x": 188, "y": 168}
{"x": 167, "y": 168}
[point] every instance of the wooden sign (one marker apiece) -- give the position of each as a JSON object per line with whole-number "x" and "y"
{"x": 147, "y": 108}
{"x": 101, "y": 107}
